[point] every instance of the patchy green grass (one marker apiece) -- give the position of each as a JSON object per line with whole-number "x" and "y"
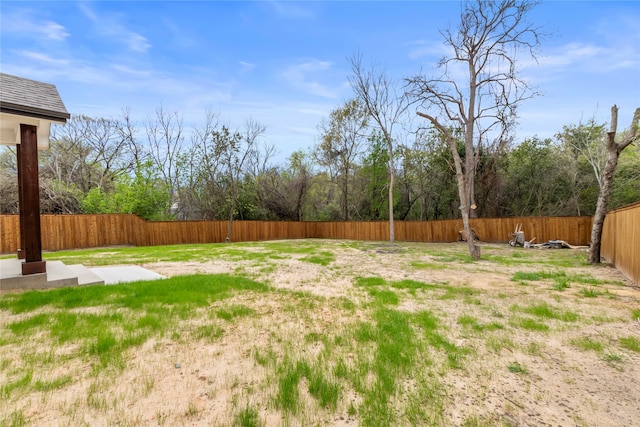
{"x": 322, "y": 388}
{"x": 179, "y": 294}
{"x": 561, "y": 280}
{"x": 15, "y": 419}
{"x": 247, "y": 417}
{"x": 517, "y": 368}
{"x": 209, "y": 332}
{"x": 233, "y": 311}
{"x": 630, "y": 343}
{"x": 561, "y": 283}
{"x": 323, "y": 258}
{"x": 384, "y": 296}
{"x": 123, "y": 317}
{"x": 614, "y": 359}
{"x": 591, "y": 292}
{"x": 588, "y": 344}
{"x": 473, "y": 323}
{"x": 443, "y": 290}
{"x": 497, "y": 343}
{"x": 529, "y": 324}
{"x": 519, "y": 256}
{"x": 393, "y": 349}
{"x": 370, "y": 281}
{"x": 545, "y": 311}
{"x": 313, "y": 251}
{"x": 423, "y": 265}
{"x": 396, "y": 354}
{"x": 21, "y": 382}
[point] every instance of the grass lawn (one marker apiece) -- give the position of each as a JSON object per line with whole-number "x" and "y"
{"x": 321, "y": 332}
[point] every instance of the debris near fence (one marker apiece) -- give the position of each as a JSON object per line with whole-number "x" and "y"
{"x": 518, "y": 238}
{"x": 557, "y": 244}
{"x": 462, "y": 235}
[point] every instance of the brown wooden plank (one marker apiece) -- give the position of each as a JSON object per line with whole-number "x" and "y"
{"x": 619, "y": 243}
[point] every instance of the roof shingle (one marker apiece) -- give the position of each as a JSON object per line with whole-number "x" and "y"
{"x": 31, "y": 98}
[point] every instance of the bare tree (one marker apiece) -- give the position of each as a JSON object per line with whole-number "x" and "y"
{"x": 482, "y": 104}
{"x": 606, "y": 177}
{"x": 198, "y": 195}
{"x": 217, "y": 162}
{"x": 583, "y": 142}
{"x": 237, "y": 157}
{"x": 90, "y": 152}
{"x": 8, "y": 180}
{"x": 342, "y": 135}
{"x": 283, "y": 190}
{"x": 109, "y": 146}
{"x": 586, "y": 140}
{"x": 85, "y": 154}
{"x": 127, "y": 131}
{"x": 259, "y": 161}
{"x": 385, "y": 105}
{"x": 164, "y": 133}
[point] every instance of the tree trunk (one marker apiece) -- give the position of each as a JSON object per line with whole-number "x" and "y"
{"x": 234, "y": 196}
{"x": 230, "y": 227}
{"x": 603, "y": 203}
{"x": 467, "y": 204}
{"x": 473, "y": 212}
{"x": 464, "y": 178}
{"x": 606, "y": 182}
{"x": 392, "y": 236}
{"x": 465, "y": 181}
{"x": 474, "y": 250}
{"x": 345, "y": 195}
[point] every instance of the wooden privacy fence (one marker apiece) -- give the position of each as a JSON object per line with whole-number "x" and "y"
{"x": 86, "y": 231}
{"x": 621, "y": 240}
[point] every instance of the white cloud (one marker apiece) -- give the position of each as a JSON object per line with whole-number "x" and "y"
{"x": 591, "y": 58}
{"x": 570, "y": 54}
{"x": 88, "y": 12}
{"x": 246, "y": 66}
{"x": 110, "y": 27}
{"x": 136, "y": 42}
{"x": 290, "y": 9}
{"x": 54, "y": 31}
{"x": 421, "y": 49}
{"x": 41, "y": 57}
{"x": 179, "y": 36}
{"x": 128, "y": 70}
{"x": 298, "y": 76}
{"x": 120, "y": 79}
{"x": 24, "y": 23}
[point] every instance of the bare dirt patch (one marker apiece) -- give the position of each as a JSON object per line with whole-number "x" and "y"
{"x": 536, "y": 353}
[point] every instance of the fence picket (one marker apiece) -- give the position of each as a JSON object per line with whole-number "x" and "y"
{"x": 619, "y": 242}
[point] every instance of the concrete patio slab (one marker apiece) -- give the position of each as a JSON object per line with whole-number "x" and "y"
{"x": 124, "y": 274}
{"x": 85, "y": 275}
{"x": 58, "y": 275}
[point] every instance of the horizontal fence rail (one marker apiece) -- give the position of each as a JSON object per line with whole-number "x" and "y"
{"x": 85, "y": 231}
{"x": 621, "y": 240}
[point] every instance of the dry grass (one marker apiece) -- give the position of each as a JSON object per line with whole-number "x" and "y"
{"x": 347, "y": 333}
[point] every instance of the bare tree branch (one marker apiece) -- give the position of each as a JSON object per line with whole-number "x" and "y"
{"x": 385, "y": 106}
{"x": 483, "y": 105}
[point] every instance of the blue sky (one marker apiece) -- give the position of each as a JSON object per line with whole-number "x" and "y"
{"x": 285, "y": 65}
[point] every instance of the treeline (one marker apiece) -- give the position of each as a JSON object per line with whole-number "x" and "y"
{"x": 161, "y": 170}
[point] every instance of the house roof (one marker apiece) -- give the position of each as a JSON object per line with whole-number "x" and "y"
{"x": 31, "y": 98}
